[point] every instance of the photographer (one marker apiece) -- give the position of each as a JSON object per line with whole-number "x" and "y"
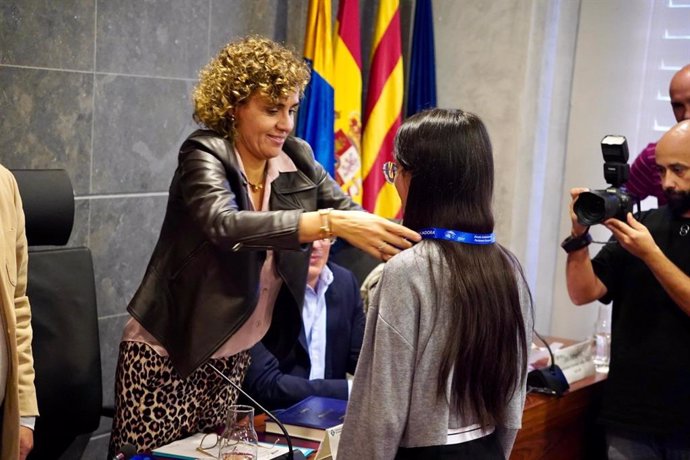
{"x": 644, "y": 270}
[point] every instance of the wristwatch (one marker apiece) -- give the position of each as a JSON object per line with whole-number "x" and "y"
{"x": 574, "y": 243}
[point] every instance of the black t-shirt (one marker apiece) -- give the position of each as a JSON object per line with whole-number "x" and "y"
{"x": 648, "y": 386}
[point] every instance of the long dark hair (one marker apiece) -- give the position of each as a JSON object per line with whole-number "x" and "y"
{"x": 449, "y": 157}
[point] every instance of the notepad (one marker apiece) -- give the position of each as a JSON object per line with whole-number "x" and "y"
{"x": 310, "y": 418}
{"x": 186, "y": 449}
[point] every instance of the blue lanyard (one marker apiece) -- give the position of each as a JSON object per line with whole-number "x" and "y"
{"x": 457, "y": 236}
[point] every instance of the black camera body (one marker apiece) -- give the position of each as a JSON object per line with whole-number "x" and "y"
{"x": 596, "y": 206}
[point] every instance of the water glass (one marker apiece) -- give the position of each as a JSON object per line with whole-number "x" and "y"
{"x": 602, "y": 340}
{"x": 239, "y": 440}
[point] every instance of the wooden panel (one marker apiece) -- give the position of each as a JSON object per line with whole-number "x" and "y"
{"x": 562, "y": 427}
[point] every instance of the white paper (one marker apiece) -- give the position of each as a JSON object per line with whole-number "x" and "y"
{"x": 186, "y": 449}
{"x": 539, "y": 356}
{"x": 579, "y": 371}
{"x": 573, "y": 355}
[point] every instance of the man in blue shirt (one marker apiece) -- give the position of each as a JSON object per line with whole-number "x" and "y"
{"x": 328, "y": 345}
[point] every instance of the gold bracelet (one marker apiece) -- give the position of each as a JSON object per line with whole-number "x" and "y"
{"x": 325, "y": 228}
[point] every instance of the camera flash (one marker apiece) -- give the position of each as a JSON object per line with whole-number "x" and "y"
{"x": 613, "y": 139}
{"x": 614, "y": 149}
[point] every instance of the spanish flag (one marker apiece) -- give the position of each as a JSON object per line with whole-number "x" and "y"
{"x": 315, "y": 116}
{"x": 383, "y": 110}
{"x": 347, "y": 82}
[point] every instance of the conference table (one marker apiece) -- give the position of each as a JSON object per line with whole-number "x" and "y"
{"x": 552, "y": 427}
{"x": 562, "y": 427}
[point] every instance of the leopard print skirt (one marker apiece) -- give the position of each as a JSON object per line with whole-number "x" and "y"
{"x": 154, "y": 406}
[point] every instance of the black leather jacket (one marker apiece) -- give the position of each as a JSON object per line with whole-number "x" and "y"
{"x": 202, "y": 281}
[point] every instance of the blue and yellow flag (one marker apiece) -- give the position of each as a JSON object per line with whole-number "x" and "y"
{"x": 421, "y": 91}
{"x": 315, "y": 116}
{"x": 347, "y": 82}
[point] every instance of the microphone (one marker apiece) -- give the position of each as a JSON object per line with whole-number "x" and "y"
{"x": 548, "y": 380}
{"x": 127, "y": 451}
{"x": 291, "y": 454}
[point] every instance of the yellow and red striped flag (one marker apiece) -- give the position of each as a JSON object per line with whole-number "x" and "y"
{"x": 347, "y": 83}
{"x": 383, "y": 110}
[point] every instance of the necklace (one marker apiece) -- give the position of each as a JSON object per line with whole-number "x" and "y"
{"x": 259, "y": 186}
{"x": 255, "y": 187}
{"x": 684, "y": 230}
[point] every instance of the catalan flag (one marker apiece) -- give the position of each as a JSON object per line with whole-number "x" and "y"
{"x": 315, "y": 116}
{"x": 421, "y": 90}
{"x": 347, "y": 82}
{"x": 383, "y": 110}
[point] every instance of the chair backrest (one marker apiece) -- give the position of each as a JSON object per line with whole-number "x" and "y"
{"x": 48, "y": 200}
{"x": 66, "y": 348}
{"x": 62, "y": 294}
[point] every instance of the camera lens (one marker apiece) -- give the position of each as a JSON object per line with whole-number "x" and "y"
{"x": 598, "y": 205}
{"x": 590, "y": 208}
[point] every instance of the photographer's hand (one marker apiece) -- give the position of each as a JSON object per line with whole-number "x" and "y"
{"x": 578, "y": 229}
{"x": 583, "y": 284}
{"x": 634, "y": 237}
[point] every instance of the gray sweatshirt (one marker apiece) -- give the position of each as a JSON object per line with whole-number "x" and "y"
{"x": 393, "y": 401}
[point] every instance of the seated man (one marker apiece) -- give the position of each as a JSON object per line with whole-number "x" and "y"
{"x": 328, "y": 345}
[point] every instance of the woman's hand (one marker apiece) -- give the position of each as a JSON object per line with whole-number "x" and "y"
{"x": 372, "y": 234}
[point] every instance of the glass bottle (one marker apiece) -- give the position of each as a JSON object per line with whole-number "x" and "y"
{"x": 602, "y": 339}
{"x": 239, "y": 440}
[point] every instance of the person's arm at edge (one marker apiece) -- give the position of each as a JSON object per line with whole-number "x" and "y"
{"x": 28, "y": 405}
{"x": 268, "y": 384}
{"x": 583, "y": 284}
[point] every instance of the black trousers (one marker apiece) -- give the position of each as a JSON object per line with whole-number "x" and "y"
{"x": 486, "y": 448}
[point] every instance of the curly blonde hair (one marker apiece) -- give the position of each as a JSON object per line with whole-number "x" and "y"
{"x": 244, "y": 67}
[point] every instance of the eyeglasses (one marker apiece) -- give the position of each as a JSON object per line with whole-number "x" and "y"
{"x": 208, "y": 442}
{"x": 390, "y": 171}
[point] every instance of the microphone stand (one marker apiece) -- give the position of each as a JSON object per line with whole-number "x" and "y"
{"x": 292, "y": 454}
{"x": 548, "y": 380}
{"x": 548, "y": 348}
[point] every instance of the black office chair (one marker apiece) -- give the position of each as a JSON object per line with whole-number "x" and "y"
{"x": 357, "y": 261}
{"x": 62, "y": 294}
